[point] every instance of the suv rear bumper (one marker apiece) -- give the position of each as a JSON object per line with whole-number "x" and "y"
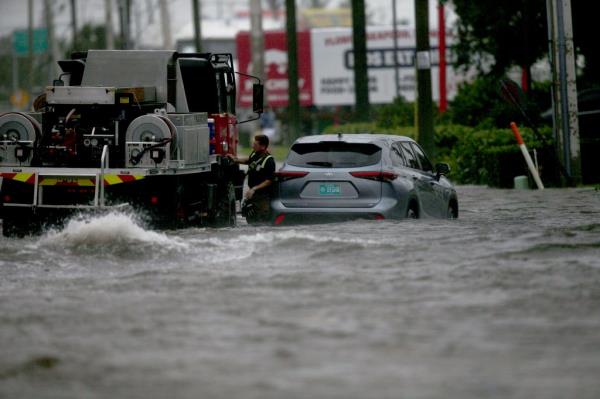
{"x": 387, "y": 208}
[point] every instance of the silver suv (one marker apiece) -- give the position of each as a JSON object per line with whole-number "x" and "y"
{"x": 372, "y": 176}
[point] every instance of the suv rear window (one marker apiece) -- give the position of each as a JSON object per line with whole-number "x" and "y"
{"x": 334, "y": 154}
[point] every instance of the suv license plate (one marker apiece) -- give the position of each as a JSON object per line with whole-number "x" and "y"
{"x": 330, "y": 189}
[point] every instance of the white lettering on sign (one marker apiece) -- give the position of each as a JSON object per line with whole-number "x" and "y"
{"x": 333, "y": 65}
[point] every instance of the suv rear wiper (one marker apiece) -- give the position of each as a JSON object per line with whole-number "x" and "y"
{"x": 320, "y": 163}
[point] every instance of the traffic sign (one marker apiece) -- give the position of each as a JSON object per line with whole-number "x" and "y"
{"x": 21, "y": 41}
{"x": 19, "y": 99}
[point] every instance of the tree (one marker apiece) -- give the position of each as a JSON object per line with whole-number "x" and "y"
{"x": 91, "y": 37}
{"x": 514, "y": 32}
{"x": 586, "y": 43}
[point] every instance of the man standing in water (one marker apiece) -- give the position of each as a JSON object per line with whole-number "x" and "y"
{"x": 261, "y": 172}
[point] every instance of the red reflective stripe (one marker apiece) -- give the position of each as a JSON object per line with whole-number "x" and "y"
{"x": 126, "y": 178}
{"x": 31, "y": 179}
{"x": 9, "y": 175}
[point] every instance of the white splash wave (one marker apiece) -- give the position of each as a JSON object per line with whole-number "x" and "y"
{"x": 108, "y": 230}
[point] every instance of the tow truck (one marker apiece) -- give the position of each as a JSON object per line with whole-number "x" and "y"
{"x": 141, "y": 129}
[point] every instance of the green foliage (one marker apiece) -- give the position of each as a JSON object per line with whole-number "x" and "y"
{"x": 279, "y": 152}
{"x": 37, "y": 80}
{"x": 91, "y": 37}
{"x": 586, "y": 43}
{"x": 490, "y": 156}
{"x": 398, "y": 113}
{"x": 514, "y": 33}
{"x": 486, "y": 156}
{"x": 480, "y": 104}
{"x": 370, "y": 127}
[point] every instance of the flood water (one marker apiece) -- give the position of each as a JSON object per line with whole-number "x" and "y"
{"x": 502, "y": 303}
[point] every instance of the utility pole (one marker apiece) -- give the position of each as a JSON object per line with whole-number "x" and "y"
{"x": 108, "y": 30}
{"x": 361, "y": 76}
{"x": 197, "y": 15}
{"x": 165, "y": 24}
{"x": 30, "y": 46}
{"x": 442, "y": 56}
{"x": 53, "y": 48}
{"x": 424, "y": 108}
{"x": 74, "y": 23}
{"x": 137, "y": 15}
{"x": 564, "y": 88}
{"x": 395, "y": 32}
{"x": 257, "y": 43}
{"x": 125, "y": 23}
{"x": 292, "y": 46}
{"x": 257, "y": 48}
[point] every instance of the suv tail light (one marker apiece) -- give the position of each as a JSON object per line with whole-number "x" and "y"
{"x": 288, "y": 175}
{"x": 375, "y": 175}
{"x": 280, "y": 218}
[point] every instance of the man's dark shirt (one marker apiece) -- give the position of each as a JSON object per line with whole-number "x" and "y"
{"x": 260, "y": 170}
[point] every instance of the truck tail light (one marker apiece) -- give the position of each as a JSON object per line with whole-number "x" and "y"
{"x": 279, "y": 219}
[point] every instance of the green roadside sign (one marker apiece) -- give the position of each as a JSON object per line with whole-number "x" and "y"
{"x": 21, "y": 41}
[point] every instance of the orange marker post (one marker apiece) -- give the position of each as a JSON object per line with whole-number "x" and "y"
{"x": 526, "y": 155}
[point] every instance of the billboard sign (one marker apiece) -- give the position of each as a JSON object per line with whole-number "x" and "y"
{"x": 276, "y": 69}
{"x": 333, "y": 63}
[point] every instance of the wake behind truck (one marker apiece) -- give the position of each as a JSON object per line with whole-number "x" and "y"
{"x": 144, "y": 129}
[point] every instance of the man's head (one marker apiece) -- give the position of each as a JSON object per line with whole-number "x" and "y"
{"x": 261, "y": 143}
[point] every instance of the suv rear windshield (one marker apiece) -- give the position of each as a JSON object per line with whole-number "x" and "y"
{"x": 334, "y": 154}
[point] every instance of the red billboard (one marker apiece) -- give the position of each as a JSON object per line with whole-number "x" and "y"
{"x": 276, "y": 69}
